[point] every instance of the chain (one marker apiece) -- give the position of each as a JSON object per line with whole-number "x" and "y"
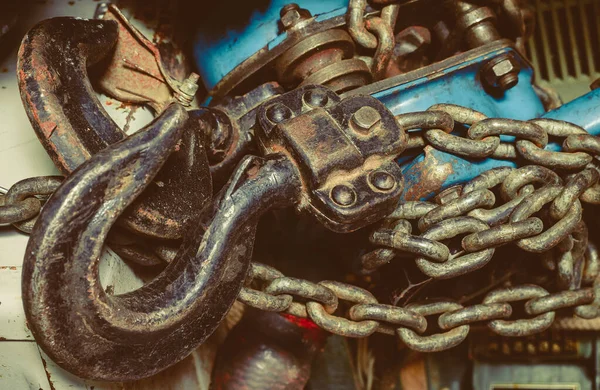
{"x": 268, "y": 289}
{"x": 473, "y": 209}
{"x": 21, "y": 203}
{"x": 374, "y": 33}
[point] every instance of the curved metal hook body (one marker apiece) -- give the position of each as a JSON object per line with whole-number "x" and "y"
{"x": 73, "y": 126}
{"x": 135, "y": 335}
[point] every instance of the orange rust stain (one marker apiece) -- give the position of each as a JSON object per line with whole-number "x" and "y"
{"x": 48, "y": 128}
{"x": 432, "y": 177}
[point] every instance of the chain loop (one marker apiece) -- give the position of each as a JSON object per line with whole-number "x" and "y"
{"x": 367, "y": 316}
{"x": 435, "y": 342}
{"x": 556, "y": 233}
{"x": 21, "y": 205}
{"x": 259, "y": 299}
{"x": 561, "y": 300}
{"x": 385, "y": 46}
{"x": 304, "y": 289}
{"x": 339, "y": 325}
{"x": 482, "y": 198}
{"x": 387, "y": 314}
{"x": 522, "y": 327}
{"x": 476, "y": 313}
{"x": 456, "y": 264}
{"x": 356, "y": 24}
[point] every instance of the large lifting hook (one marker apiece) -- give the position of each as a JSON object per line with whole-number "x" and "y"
{"x": 322, "y": 154}
{"x": 137, "y": 334}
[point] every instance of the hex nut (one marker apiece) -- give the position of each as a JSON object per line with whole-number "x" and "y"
{"x": 502, "y": 72}
{"x": 365, "y": 118}
{"x": 291, "y": 15}
{"x": 290, "y": 18}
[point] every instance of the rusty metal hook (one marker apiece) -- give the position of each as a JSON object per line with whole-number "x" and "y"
{"x": 72, "y": 124}
{"x": 137, "y": 334}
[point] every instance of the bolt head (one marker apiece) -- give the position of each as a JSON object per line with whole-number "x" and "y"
{"x": 503, "y": 73}
{"x": 291, "y": 17}
{"x": 382, "y": 181}
{"x": 278, "y": 113}
{"x": 343, "y": 195}
{"x": 365, "y": 118}
{"x": 316, "y": 98}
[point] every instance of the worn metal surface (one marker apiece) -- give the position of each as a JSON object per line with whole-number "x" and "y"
{"x": 333, "y": 149}
{"x": 135, "y": 73}
{"x": 72, "y": 125}
{"x": 229, "y": 45}
{"x": 324, "y": 58}
{"x": 140, "y": 333}
{"x": 305, "y": 133}
{"x": 367, "y": 316}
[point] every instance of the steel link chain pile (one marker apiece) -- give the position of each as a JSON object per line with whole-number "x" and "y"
{"x": 472, "y": 210}
{"x": 539, "y": 211}
{"x": 21, "y": 204}
{"x": 367, "y": 316}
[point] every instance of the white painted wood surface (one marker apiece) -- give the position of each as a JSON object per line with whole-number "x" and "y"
{"x": 22, "y": 364}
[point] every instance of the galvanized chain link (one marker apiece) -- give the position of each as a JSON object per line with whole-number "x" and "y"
{"x": 482, "y": 139}
{"x": 374, "y": 33}
{"x": 21, "y": 203}
{"x": 268, "y": 289}
{"x": 474, "y": 210}
{"x": 487, "y": 224}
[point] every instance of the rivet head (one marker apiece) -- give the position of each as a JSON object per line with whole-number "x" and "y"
{"x": 278, "y": 113}
{"x": 316, "y": 98}
{"x": 383, "y": 181}
{"x": 343, "y": 195}
{"x": 365, "y": 118}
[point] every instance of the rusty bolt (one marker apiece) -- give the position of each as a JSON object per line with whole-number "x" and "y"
{"x": 291, "y": 14}
{"x": 365, "y": 118}
{"x": 501, "y": 72}
{"x": 187, "y": 89}
{"x": 382, "y": 181}
{"x": 343, "y": 195}
{"x": 278, "y": 113}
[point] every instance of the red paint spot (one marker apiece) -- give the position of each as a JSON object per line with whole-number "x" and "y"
{"x": 301, "y": 322}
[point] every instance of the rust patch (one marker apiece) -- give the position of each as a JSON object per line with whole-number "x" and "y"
{"x": 426, "y": 177}
{"x": 48, "y": 374}
{"x": 135, "y": 74}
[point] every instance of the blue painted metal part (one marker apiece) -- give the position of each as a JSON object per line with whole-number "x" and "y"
{"x": 461, "y": 87}
{"x": 233, "y": 31}
{"x": 583, "y": 111}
